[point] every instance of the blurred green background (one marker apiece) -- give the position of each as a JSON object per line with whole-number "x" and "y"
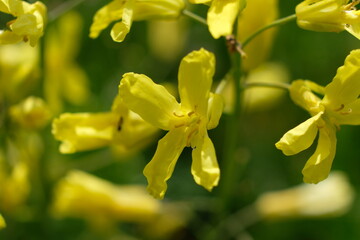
{"x": 260, "y": 166}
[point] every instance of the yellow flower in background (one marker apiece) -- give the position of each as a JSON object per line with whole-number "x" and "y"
{"x": 329, "y": 16}
{"x": 28, "y": 25}
{"x": 167, "y": 39}
{"x": 257, "y": 98}
{"x": 248, "y": 22}
{"x": 222, "y": 15}
{"x": 186, "y": 122}
{"x": 2, "y": 222}
{"x": 64, "y": 78}
{"x": 264, "y": 98}
{"x": 32, "y": 112}
{"x": 121, "y": 128}
{"x": 98, "y": 201}
{"x": 330, "y": 198}
{"x": 340, "y": 106}
{"x": 19, "y": 71}
{"x": 132, "y": 10}
{"x": 82, "y": 195}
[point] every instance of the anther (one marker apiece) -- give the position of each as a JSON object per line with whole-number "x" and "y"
{"x": 190, "y": 113}
{"x": 347, "y": 112}
{"x": 340, "y": 108}
{"x": 176, "y": 115}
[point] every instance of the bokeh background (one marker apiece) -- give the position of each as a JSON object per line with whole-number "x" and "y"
{"x": 155, "y": 48}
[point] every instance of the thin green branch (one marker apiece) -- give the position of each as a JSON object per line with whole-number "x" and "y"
{"x": 63, "y": 8}
{"x": 194, "y": 17}
{"x": 281, "y": 85}
{"x": 271, "y": 25}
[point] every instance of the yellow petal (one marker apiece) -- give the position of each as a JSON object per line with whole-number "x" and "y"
{"x": 162, "y": 165}
{"x": 216, "y": 106}
{"x": 195, "y": 78}
{"x": 151, "y": 101}
{"x": 221, "y": 17}
{"x": 345, "y": 87}
{"x": 8, "y": 37}
{"x": 349, "y": 115}
{"x": 104, "y": 16}
{"x": 354, "y": 27}
{"x": 317, "y": 168}
{"x": 199, "y": 1}
{"x": 84, "y": 131}
{"x": 300, "y": 137}
{"x": 302, "y": 95}
{"x": 205, "y": 168}
{"x": 146, "y": 10}
{"x": 121, "y": 29}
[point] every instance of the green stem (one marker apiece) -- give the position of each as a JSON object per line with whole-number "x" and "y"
{"x": 232, "y": 132}
{"x": 63, "y": 8}
{"x": 194, "y": 17}
{"x": 281, "y": 85}
{"x": 273, "y": 24}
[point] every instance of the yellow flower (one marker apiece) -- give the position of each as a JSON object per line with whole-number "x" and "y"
{"x": 2, "y": 222}
{"x": 29, "y": 22}
{"x": 340, "y": 105}
{"x": 187, "y": 122}
{"x": 82, "y": 195}
{"x": 85, "y": 131}
{"x": 19, "y": 70}
{"x": 308, "y": 200}
{"x": 102, "y": 203}
{"x": 31, "y": 113}
{"x": 64, "y": 78}
{"x": 329, "y": 16}
{"x": 222, "y": 15}
{"x": 248, "y": 22}
{"x": 129, "y": 11}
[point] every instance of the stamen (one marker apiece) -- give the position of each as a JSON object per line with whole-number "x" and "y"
{"x": 176, "y": 115}
{"x": 191, "y": 113}
{"x": 340, "y": 108}
{"x": 349, "y": 111}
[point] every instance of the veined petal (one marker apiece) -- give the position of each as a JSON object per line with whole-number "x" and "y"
{"x": 317, "y": 168}
{"x": 162, "y": 165}
{"x": 84, "y": 131}
{"x": 345, "y": 87}
{"x": 104, "y": 16}
{"x": 221, "y": 17}
{"x": 300, "y": 137}
{"x": 121, "y": 29}
{"x": 195, "y": 78}
{"x": 205, "y": 168}
{"x": 215, "y": 110}
{"x": 151, "y": 101}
